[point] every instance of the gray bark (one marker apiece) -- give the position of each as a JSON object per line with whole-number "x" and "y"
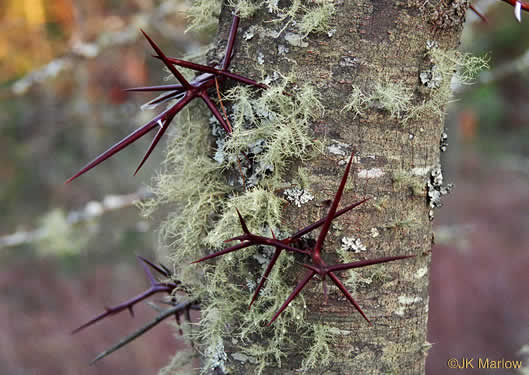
{"x": 375, "y": 42}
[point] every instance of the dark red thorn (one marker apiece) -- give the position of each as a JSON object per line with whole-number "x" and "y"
{"x": 168, "y": 272}
{"x": 215, "y": 111}
{"x": 293, "y": 295}
{"x": 243, "y": 224}
{"x": 312, "y": 268}
{"x": 145, "y": 264}
{"x": 364, "y": 263}
{"x": 177, "y": 87}
{"x": 170, "y": 66}
{"x": 258, "y": 240}
{"x": 252, "y": 240}
{"x": 175, "y": 95}
{"x": 197, "y": 87}
{"x": 297, "y": 235}
{"x": 524, "y": 5}
{"x": 163, "y": 127}
{"x": 237, "y": 238}
{"x": 271, "y": 265}
{"x": 212, "y": 71}
{"x": 332, "y": 210}
{"x": 483, "y": 18}
{"x": 127, "y": 305}
{"x": 215, "y": 71}
{"x": 225, "y": 251}
{"x": 156, "y": 287}
{"x": 132, "y": 137}
{"x": 160, "y": 269}
{"x": 317, "y": 224}
{"x": 348, "y": 295}
{"x": 231, "y": 41}
{"x": 157, "y": 320}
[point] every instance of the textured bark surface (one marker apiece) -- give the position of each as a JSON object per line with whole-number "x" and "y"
{"x": 375, "y": 41}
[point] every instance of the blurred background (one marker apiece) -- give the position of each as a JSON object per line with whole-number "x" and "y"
{"x": 67, "y": 251}
{"x": 479, "y": 282}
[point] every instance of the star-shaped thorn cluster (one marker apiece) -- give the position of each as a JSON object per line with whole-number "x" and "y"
{"x": 317, "y": 265}
{"x": 156, "y": 287}
{"x": 184, "y": 92}
{"x": 176, "y": 309}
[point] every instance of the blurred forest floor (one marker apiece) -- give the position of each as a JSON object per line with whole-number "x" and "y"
{"x": 54, "y": 121}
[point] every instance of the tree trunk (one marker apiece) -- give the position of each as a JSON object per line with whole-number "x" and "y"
{"x": 378, "y": 49}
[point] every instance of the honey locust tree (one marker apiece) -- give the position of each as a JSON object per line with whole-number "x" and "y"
{"x": 337, "y": 78}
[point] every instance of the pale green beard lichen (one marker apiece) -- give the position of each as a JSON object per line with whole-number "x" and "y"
{"x": 357, "y": 102}
{"x": 203, "y": 14}
{"x": 244, "y": 8}
{"x": 398, "y": 100}
{"x": 314, "y": 17}
{"x": 316, "y": 20}
{"x": 181, "y": 364}
{"x": 260, "y": 208}
{"x": 437, "y": 79}
{"x": 320, "y": 352}
{"x": 393, "y": 98}
{"x": 277, "y": 121}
